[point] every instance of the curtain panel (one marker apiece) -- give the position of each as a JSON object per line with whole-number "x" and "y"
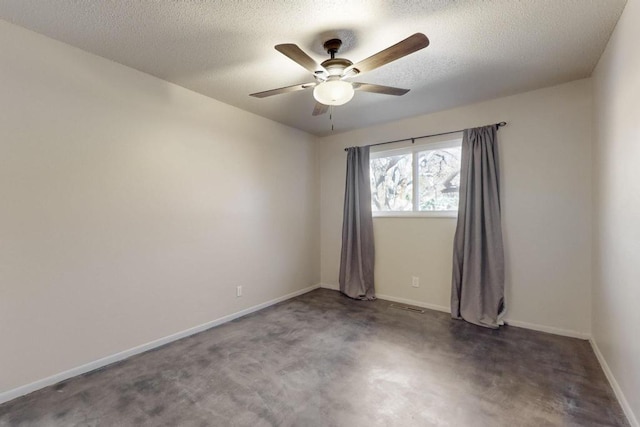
{"x": 357, "y": 255}
{"x": 477, "y": 291}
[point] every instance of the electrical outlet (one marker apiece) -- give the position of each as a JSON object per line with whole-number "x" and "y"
{"x": 238, "y": 291}
{"x": 415, "y": 281}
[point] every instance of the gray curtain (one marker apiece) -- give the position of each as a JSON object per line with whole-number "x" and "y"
{"x": 357, "y": 256}
{"x": 477, "y": 291}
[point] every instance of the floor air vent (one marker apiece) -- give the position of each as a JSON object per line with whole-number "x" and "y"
{"x": 407, "y": 308}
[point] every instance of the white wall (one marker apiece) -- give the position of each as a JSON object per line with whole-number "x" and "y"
{"x": 616, "y": 165}
{"x": 546, "y": 162}
{"x": 131, "y": 208}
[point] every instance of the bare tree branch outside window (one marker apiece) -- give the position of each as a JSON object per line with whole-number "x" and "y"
{"x": 438, "y": 180}
{"x": 392, "y": 183}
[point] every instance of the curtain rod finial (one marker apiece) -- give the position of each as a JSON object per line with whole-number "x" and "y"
{"x": 502, "y": 124}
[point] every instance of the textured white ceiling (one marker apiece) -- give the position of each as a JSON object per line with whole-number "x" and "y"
{"x": 224, "y": 49}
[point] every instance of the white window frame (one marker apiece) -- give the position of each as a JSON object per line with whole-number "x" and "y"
{"x": 414, "y": 150}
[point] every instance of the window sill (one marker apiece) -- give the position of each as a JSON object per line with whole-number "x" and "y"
{"x": 411, "y": 214}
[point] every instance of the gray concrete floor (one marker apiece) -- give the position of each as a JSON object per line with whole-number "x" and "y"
{"x": 322, "y": 359}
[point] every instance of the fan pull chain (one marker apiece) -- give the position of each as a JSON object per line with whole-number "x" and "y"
{"x": 331, "y": 116}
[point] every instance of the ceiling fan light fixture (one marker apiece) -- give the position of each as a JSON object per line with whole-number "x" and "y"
{"x": 333, "y": 92}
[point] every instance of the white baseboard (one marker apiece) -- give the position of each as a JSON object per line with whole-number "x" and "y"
{"x": 396, "y": 299}
{"x": 79, "y": 370}
{"x": 332, "y": 287}
{"x": 416, "y": 303}
{"x": 633, "y": 420}
{"x": 548, "y": 329}
{"x": 446, "y": 309}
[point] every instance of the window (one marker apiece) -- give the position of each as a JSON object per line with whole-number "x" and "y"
{"x": 416, "y": 181}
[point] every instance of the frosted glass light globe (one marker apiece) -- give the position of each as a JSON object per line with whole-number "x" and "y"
{"x": 333, "y": 92}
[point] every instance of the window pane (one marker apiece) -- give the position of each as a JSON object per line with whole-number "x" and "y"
{"x": 439, "y": 179}
{"x": 392, "y": 183}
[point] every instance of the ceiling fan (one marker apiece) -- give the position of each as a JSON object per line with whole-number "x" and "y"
{"x": 330, "y": 87}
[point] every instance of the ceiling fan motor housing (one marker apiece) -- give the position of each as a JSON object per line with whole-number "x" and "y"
{"x": 335, "y": 66}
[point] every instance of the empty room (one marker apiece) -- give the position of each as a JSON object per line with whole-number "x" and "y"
{"x": 319, "y": 213}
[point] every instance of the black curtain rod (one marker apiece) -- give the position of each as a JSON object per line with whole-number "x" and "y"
{"x": 413, "y": 140}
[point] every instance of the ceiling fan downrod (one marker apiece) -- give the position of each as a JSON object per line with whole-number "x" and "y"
{"x": 332, "y": 47}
